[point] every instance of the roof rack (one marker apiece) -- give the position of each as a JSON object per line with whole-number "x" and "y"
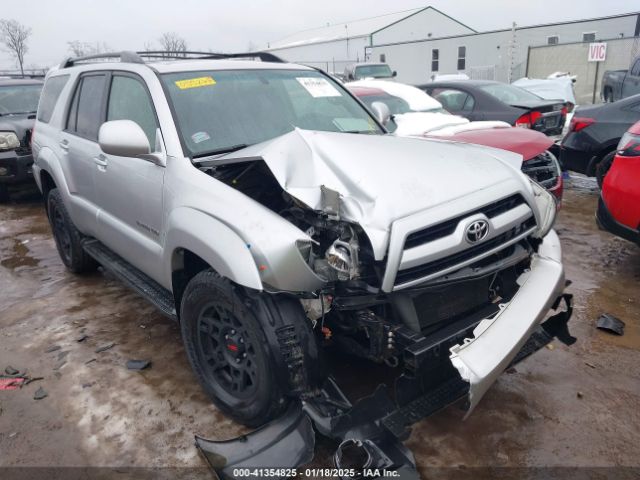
{"x": 139, "y": 57}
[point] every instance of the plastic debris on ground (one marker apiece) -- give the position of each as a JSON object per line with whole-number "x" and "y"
{"x": 610, "y": 324}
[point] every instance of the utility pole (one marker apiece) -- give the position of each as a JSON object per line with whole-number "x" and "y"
{"x": 512, "y": 52}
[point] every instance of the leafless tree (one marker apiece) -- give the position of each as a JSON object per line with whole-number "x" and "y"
{"x": 82, "y": 49}
{"x": 14, "y": 36}
{"x": 172, "y": 42}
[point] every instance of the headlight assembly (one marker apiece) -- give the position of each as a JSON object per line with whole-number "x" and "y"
{"x": 9, "y": 141}
{"x": 547, "y": 208}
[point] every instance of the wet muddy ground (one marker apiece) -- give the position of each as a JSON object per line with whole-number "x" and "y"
{"x": 572, "y": 406}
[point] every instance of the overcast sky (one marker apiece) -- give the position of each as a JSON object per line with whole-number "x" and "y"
{"x": 234, "y": 25}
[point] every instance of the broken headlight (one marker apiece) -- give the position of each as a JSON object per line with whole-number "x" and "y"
{"x": 8, "y": 141}
{"x": 547, "y": 209}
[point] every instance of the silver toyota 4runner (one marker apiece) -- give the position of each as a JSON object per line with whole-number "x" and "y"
{"x": 267, "y": 210}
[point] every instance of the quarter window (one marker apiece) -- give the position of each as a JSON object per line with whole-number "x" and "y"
{"x": 85, "y": 116}
{"x": 462, "y": 58}
{"x": 50, "y": 94}
{"x": 435, "y": 60}
{"x": 129, "y": 100}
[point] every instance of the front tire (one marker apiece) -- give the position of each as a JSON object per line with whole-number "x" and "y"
{"x": 228, "y": 350}
{"x": 67, "y": 237}
{"x": 4, "y": 193}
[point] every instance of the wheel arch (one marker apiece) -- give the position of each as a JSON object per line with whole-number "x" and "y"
{"x": 609, "y": 147}
{"x": 196, "y": 241}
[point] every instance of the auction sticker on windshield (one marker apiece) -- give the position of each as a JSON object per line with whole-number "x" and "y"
{"x": 195, "y": 82}
{"x": 318, "y": 87}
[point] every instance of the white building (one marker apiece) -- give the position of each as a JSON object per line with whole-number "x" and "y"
{"x": 334, "y": 46}
{"x": 424, "y": 42}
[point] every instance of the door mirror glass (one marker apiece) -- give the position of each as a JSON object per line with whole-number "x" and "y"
{"x": 123, "y": 138}
{"x": 381, "y": 111}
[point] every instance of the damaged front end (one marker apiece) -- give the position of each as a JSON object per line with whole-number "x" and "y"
{"x": 449, "y": 293}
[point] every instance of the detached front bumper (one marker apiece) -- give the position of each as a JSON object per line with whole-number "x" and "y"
{"x": 497, "y": 341}
{"x": 15, "y": 168}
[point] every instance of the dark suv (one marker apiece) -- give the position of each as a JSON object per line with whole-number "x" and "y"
{"x": 18, "y": 105}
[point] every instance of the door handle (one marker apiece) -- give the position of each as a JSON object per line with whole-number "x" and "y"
{"x": 101, "y": 162}
{"x": 64, "y": 144}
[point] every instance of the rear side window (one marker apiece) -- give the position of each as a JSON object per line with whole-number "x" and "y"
{"x": 129, "y": 100}
{"x": 50, "y": 94}
{"x": 454, "y": 100}
{"x": 85, "y": 115}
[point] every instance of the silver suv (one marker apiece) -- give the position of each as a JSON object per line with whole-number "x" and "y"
{"x": 265, "y": 208}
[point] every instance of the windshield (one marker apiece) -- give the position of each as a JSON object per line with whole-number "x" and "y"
{"x": 16, "y": 99}
{"x": 373, "y": 71}
{"x": 218, "y": 110}
{"x": 508, "y": 93}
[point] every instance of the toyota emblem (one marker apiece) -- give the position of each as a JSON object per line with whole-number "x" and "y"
{"x": 477, "y": 231}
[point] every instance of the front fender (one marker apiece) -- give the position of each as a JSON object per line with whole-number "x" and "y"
{"x": 212, "y": 241}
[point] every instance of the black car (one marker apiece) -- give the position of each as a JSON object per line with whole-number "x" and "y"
{"x": 486, "y": 100}
{"x": 594, "y": 133}
{"x": 18, "y": 105}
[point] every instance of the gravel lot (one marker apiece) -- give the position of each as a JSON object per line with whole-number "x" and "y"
{"x": 565, "y": 406}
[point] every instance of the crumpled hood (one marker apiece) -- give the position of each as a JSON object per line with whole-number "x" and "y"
{"x": 380, "y": 178}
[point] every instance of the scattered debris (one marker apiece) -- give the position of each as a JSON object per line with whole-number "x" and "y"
{"x": 13, "y": 434}
{"x": 589, "y": 364}
{"x": 82, "y": 338}
{"x": 138, "y": 364}
{"x": 63, "y": 355}
{"x": 33, "y": 379}
{"x": 143, "y": 326}
{"x": 580, "y": 395}
{"x": 12, "y": 372}
{"x": 52, "y": 348}
{"x": 611, "y": 324}
{"x": 40, "y": 394}
{"x": 89, "y": 361}
{"x": 105, "y": 347}
{"x": 60, "y": 364}
{"x": 550, "y": 346}
{"x": 11, "y": 383}
{"x": 88, "y": 385}
{"x": 512, "y": 370}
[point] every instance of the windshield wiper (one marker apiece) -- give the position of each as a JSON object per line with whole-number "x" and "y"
{"x": 220, "y": 151}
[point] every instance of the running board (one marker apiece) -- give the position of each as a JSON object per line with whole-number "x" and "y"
{"x": 132, "y": 277}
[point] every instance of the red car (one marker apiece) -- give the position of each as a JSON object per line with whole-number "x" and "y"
{"x": 427, "y": 117}
{"x": 619, "y": 203}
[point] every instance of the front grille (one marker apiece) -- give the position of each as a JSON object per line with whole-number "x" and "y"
{"x": 426, "y": 269}
{"x": 543, "y": 169}
{"x": 448, "y": 227}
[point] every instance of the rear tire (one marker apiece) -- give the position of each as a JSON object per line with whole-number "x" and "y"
{"x": 228, "y": 350}
{"x": 67, "y": 237}
{"x": 603, "y": 167}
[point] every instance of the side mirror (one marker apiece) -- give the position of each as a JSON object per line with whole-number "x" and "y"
{"x": 123, "y": 138}
{"x": 381, "y": 112}
{"x": 394, "y": 74}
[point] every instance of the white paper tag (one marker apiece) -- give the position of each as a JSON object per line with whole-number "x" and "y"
{"x": 318, "y": 87}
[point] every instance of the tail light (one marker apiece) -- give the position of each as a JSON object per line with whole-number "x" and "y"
{"x": 528, "y": 119}
{"x": 564, "y": 111}
{"x": 629, "y": 145}
{"x": 579, "y": 123}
